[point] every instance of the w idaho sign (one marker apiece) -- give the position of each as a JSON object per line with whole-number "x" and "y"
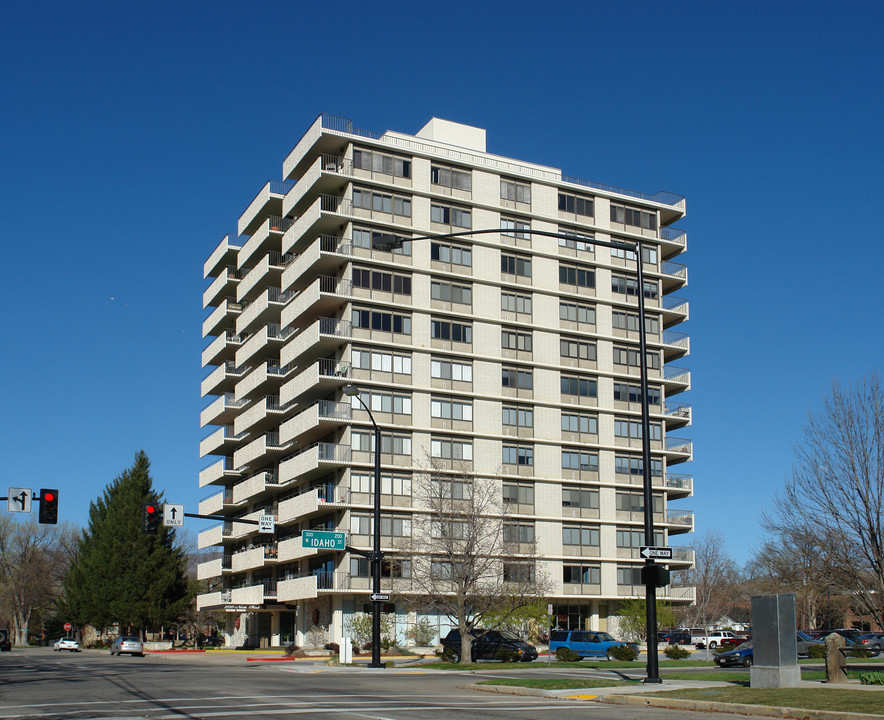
{"x": 324, "y": 539}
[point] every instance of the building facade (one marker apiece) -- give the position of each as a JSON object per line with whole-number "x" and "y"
{"x": 512, "y": 355}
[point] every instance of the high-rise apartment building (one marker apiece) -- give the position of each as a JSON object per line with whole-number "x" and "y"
{"x": 513, "y": 355}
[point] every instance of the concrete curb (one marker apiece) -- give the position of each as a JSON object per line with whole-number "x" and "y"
{"x": 743, "y": 709}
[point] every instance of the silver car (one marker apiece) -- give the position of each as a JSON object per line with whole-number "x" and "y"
{"x": 127, "y": 644}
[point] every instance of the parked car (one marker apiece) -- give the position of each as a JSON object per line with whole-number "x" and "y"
{"x": 127, "y": 644}
{"x": 488, "y": 644}
{"x": 210, "y": 641}
{"x": 743, "y": 654}
{"x": 586, "y": 643}
{"x": 715, "y": 638}
{"x": 5, "y": 642}
{"x": 848, "y": 633}
{"x": 675, "y": 637}
{"x": 66, "y": 644}
{"x": 873, "y": 641}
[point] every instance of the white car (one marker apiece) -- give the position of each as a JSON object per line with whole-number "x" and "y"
{"x": 66, "y": 644}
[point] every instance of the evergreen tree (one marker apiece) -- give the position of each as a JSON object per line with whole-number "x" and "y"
{"x": 121, "y": 575}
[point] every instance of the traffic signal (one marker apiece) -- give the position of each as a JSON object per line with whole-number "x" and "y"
{"x": 150, "y": 518}
{"x": 48, "y": 506}
{"x": 655, "y": 575}
{"x": 386, "y": 607}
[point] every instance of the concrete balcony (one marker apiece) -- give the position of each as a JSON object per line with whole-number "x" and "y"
{"x": 673, "y": 241}
{"x": 263, "y": 379}
{"x": 324, "y": 175}
{"x": 212, "y": 600}
{"x": 324, "y": 216}
{"x": 678, "y": 450}
{"x": 680, "y": 595}
{"x": 682, "y": 556}
{"x": 220, "y": 442}
{"x": 300, "y": 506}
{"x": 221, "y": 349}
{"x": 675, "y": 310}
{"x": 223, "y": 256}
{"x": 258, "y": 452}
{"x": 222, "y": 318}
{"x": 256, "y": 487}
{"x": 221, "y": 411}
{"x": 676, "y": 380}
{"x": 262, "y": 415}
{"x": 313, "y": 460}
{"x": 295, "y": 589}
{"x": 223, "y": 286}
{"x": 677, "y": 415}
{"x": 252, "y": 559}
{"x": 675, "y": 345}
{"x": 675, "y": 277}
{"x": 263, "y": 344}
{"x": 211, "y": 537}
{"x": 221, "y": 379}
{"x": 267, "y": 202}
{"x": 314, "y": 422}
{"x": 323, "y": 256}
{"x": 679, "y": 486}
{"x": 210, "y": 569}
{"x": 266, "y": 308}
{"x": 300, "y": 154}
{"x": 319, "y": 339}
{"x": 324, "y": 297}
{"x": 250, "y": 595}
{"x": 316, "y": 380}
{"x": 292, "y": 549}
{"x": 218, "y": 473}
{"x": 266, "y": 273}
{"x": 266, "y": 239}
{"x": 680, "y": 521}
{"x": 215, "y": 504}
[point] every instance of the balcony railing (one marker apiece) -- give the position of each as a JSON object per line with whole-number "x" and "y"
{"x": 680, "y": 445}
{"x": 335, "y": 164}
{"x": 681, "y": 411}
{"x": 333, "y": 326}
{"x": 334, "y": 244}
{"x": 680, "y": 517}
{"x": 335, "y": 204}
{"x": 676, "y": 270}
{"x": 681, "y": 482}
{"x": 332, "y": 367}
{"x": 674, "y": 304}
{"x": 674, "y": 235}
{"x": 335, "y": 286}
{"x": 675, "y": 339}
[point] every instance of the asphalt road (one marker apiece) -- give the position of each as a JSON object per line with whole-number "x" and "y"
{"x": 41, "y": 684}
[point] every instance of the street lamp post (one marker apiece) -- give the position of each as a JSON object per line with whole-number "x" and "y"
{"x": 389, "y": 241}
{"x": 376, "y": 555}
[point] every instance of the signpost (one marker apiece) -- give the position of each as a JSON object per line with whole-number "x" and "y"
{"x": 266, "y": 523}
{"x": 657, "y": 553}
{"x": 19, "y": 499}
{"x": 325, "y": 539}
{"x": 379, "y": 597}
{"x": 173, "y": 515}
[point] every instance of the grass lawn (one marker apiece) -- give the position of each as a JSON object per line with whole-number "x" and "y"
{"x": 590, "y": 665}
{"x": 560, "y": 684}
{"x": 805, "y": 698}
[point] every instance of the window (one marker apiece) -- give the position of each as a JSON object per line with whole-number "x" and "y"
{"x": 382, "y": 281}
{"x": 588, "y": 424}
{"x": 577, "y": 240}
{"x": 518, "y": 572}
{"x": 518, "y": 532}
{"x": 580, "y": 535}
{"x": 518, "y": 416}
{"x": 396, "y": 567}
{"x": 626, "y": 465}
{"x": 449, "y": 449}
{"x": 390, "y": 485}
{"x": 634, "y": 217}
{"x": 450, "y": 253}
{"x": 452, "y": 489}
{"x": 511, "y": 227}
{"x": 377, "y": 320}
{"x": 633, "y": 393}
{"x": 382, "y": 402}
{"x": 629, "y": 321}
{"x": 581, "y": 574}
{"x": 576, "y": 312}
{"x": 454, "y": 216}
{"x": 456, "y": 332}
{"x": 451, "y": 370}
{"x": 519, "y": 494}
{"x": 635, "y": 502}
{"x": 515, "y": 265}
{"x": 580, "y": 277}
{"x": 629, "y": 538}
{"x": 576, "y": 460}
{"x": 511, "y": 302}
{"x": 365, "y": 239}
{"x": 576, "y": 204}
{"x": 649, "y": 254}
{"x": 451, "y": 292}
{"x": 381, "y": 202}
{"x": 359, "y": 567}
{"x": 518, "y": 455}
{"x": 513, "y": 340}
{"x": 633, "y": 429}
{"x": 578, "y": 497}
{"x": 451, "y": 409}
{"x": 629, "y": 576}
{"x": 390, "y": 444}
{"x": 515, "y": 378}
{"x": 396, "y": 526}
{"x": 512, "y": 190}
{"x": 360, "y": 524}
{"x": 570, "y": 348}
{"x": 451, "y": 178}
{"x": 629, "y": 286}
{"x": 365, "y": 359}
{"x": 579, "y": 386}
{"x": 380, "y": 163}
{"x": 629, "y": 357}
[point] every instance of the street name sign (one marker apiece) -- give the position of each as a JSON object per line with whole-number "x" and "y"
{"x": 325, "y": 539}
{"x": 266, "y": 523}
{"x": 19, "y": 499}
{"x": 173, "y": 515}
{"x": 657, "y": 553}
{"x": 379, "y": 597}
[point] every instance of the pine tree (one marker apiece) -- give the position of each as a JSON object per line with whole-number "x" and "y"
{"x": 121, "y": 575}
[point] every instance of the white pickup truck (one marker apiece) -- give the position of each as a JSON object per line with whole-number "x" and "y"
{"x": 714, "y": 639}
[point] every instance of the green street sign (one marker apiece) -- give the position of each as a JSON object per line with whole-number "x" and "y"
{"x": 324, "y": 539}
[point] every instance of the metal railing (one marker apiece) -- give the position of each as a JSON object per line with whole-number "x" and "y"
{"x": 334, "y": 244}
{"x": 676, "y": 339}
{"x": 279, "y": 224}
{"x": 682, "y": 482}
{"x": 280, "y": 187}
{"x": 335, "y": 204}
{"x": 333, "y": 326}
{"x": 335, "y": 285}
{"x": 676, "y": 270}
{"x": 335, "y": 164}
{"x": 332, "y": 367}
{"x": 675, "y": 304}
{"x": 335, "y": 410}
{"x": 674, "y": 235}
{"x": 677, "y": 410}
{"x": 680, "y": 517}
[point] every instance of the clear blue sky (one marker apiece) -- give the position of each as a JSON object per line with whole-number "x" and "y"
{"x": 134, "y": 134}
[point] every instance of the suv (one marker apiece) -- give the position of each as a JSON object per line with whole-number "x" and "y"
{"x": 675, "y": 637}
{"x": 489, "y": 645}
{"x": 5, "y": 644}
{"x": 716, "y": 638}
{"x": 586, "y": 643}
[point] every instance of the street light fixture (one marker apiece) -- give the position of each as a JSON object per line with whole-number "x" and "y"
{"x": 376, "y": 555}
{"x": 390, "y": 241}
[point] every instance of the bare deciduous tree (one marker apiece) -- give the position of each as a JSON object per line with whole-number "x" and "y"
{"x": 712, "y": 576}
{"x": 835, "y": 497}
{"x": 467, "y": 558}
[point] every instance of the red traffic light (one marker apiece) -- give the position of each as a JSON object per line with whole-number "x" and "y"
{"x": 48, "y": 496}
{"x": 149, "y": 509}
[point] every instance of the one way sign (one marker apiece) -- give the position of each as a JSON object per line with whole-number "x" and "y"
{"x": 173, "y": 515}
{"x": 658, "y": 553}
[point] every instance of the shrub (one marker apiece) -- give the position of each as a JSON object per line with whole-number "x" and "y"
{"x": 872, "y": 678}
{"x": 422, "y": 633}
{"x": 623, "y": 652}
{"x": 564, "y": 654}
{"x": 293, "y": 651}
{"x": 860, "y": 652}
{"x": 816, "y": 651}
{"x": 676, "y": 652}
{"x": 333, "y": 647}
{"x": 447, "y": 654}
